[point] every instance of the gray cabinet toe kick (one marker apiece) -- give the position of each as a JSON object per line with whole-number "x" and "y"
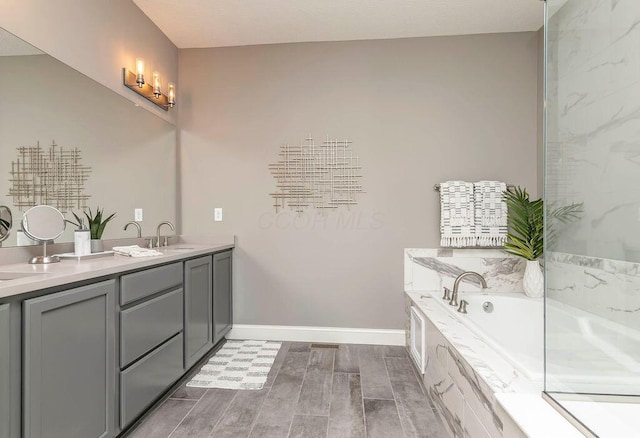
{"x": 89, "y": 361}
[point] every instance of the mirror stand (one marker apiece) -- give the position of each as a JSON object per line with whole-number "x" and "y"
{"x": 45, "y": 224}
{"x": 44, "y": 259}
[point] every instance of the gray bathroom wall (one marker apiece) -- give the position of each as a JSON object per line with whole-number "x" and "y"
{"x": 97, "y": 38}
{"x": 419, "y": 111}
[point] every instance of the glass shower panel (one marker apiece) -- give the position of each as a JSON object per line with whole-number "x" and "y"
{"x": 592, "y": 157}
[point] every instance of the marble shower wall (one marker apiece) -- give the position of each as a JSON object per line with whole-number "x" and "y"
{"x": 593, "y": 124}
{"x": 607, "y": 288}
{"x": 433, "y": 269}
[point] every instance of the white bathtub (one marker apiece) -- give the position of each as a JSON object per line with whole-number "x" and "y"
{"x": 514, "y": 329}
{"x": 585, "y": 352}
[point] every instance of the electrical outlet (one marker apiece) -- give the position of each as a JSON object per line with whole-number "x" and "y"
{"x": 137, "y": 214}
{"x": 217, "y": 214}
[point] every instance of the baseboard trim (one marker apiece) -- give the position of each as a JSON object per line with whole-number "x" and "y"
{"x": 337, "y": 335}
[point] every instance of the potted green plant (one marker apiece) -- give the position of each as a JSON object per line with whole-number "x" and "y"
{"x": 525, "y": 238}
{"x": 96, "y": 225}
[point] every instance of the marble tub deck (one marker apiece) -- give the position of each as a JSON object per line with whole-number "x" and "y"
{"x": 490, "y": 394}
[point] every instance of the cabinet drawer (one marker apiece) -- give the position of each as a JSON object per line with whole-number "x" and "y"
{"x": 144, "y": 381}
{"x": 145, "y": 283}
{"x": 147, "y": 325}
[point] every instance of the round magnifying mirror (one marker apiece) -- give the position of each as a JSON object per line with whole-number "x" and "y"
{"x": 6, "y": 222}
{"x": 43, "y": 223}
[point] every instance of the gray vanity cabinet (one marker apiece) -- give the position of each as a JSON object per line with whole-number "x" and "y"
{"x": 70, "y": 363}
{"x": 222, "y": 295}
{"x": 197, "y": 309}
{"x": 151, "y": 337}
{"x": 5, "y": 376}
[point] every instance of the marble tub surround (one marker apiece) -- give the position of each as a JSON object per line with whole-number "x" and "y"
{"x": 493, "y": 370}
{"x": 465, "y": 379}
{"x": 40, "y": 277}
{"x": 431, "y": 269}
{"x": 463, "y": 373}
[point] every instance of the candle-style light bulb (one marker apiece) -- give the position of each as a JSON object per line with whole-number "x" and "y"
{"x": 172, "y": 94}
{"x": 156, "y": 84}
{"x": 140, "y": 72}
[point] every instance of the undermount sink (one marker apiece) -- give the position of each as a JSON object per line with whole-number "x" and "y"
{"x": 7, "y": 276}
{"x": 178, "y": 248}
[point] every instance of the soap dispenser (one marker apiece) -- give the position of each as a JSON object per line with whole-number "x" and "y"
{"x": 82, "y": 240}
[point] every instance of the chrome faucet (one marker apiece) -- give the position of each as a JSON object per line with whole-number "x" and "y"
{"x": 137, "y": 225}
{"x": 456, "y": 284}
{"x": 166, "y": 239}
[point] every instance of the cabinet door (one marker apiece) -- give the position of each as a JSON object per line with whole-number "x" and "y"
{"x": 222, "y": 295}
{"x": 197, "y": 309}
{"x": 5, "y": 376}
{"x": 70, "y": 366}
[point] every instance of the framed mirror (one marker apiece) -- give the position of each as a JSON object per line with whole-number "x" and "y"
{"x": 118, "y": 156}
{"x": 6, "y": 223}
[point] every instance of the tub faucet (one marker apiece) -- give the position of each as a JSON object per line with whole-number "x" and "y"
{"x": 166, "y": 241}
{"x": 137, "y": 225}
{"x": 456, "y": 284}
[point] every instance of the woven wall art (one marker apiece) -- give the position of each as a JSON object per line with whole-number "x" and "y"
{"x": 324, "y": 177}
{"x": 52, "y": 176}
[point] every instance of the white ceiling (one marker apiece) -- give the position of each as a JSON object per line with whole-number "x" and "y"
{"x": 219, "y": 23}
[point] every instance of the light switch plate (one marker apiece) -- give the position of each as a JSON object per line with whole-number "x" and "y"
{"x": 217, "y": 214}
{"x": 137, "y": 213}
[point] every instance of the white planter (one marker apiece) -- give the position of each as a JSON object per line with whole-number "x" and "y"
{"x": 533, "y": 281}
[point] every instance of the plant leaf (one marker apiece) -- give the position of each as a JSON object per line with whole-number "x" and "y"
{"x": 525, "y": 220}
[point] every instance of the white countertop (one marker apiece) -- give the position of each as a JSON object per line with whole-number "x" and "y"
{"x": 71, "y": 271}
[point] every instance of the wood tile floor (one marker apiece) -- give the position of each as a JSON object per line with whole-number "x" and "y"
{"x": 352, "y": 391}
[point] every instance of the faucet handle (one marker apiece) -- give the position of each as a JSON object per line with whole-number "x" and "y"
{"x": 447, "y": 294}
{"x": 150, "y": 243}
{"x": 463, "y": 306}
{"x": 166, "y": 241}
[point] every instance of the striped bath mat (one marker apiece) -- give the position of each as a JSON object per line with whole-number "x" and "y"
{"x": 238, "y": 365}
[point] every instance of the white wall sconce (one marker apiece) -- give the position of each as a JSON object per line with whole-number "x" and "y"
{"x": 152, "y": 92}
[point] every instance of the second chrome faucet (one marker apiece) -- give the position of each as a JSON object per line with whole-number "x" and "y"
{"x": 166, "y": 238}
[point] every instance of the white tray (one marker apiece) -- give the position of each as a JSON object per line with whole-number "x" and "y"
{"x": 93, "y": 255}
